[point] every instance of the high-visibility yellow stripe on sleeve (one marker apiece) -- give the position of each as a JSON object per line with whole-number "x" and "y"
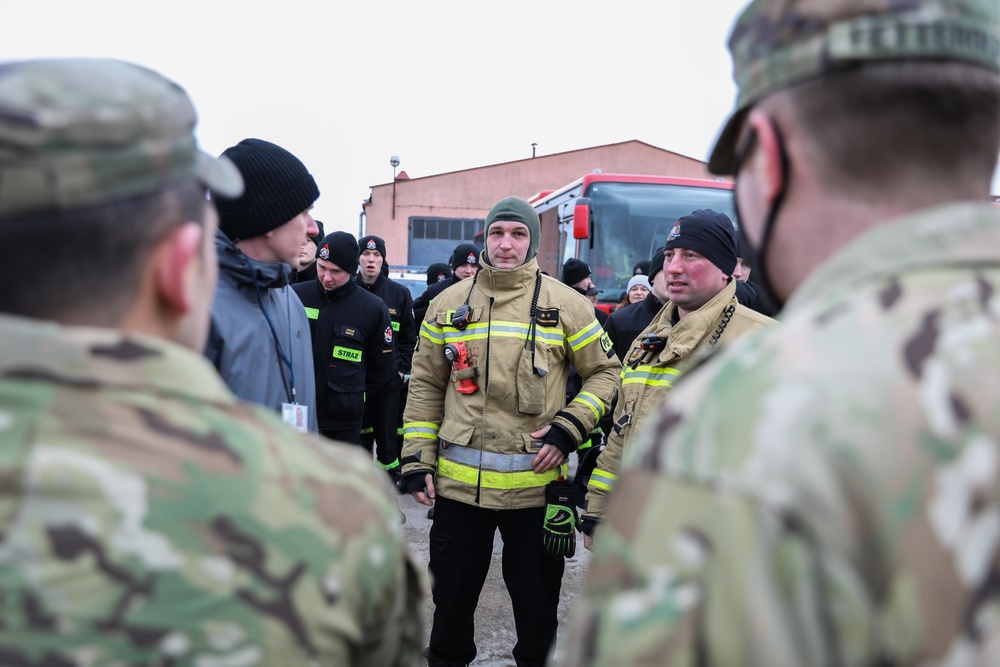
{"x": 583, "y": 338}
{"x": 427, "y": 430}
{"x": 602, "y": 479}
{"x": 595, "y": 404}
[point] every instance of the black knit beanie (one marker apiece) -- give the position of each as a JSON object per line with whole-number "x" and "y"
{"x": 641, "y": 268}
{"x": 515, "y": 209}
{"x": 710, "y": 234}
{"x": 656, "y": 264}
{"x": 465, "y": 253}
{"x": 574, "y": 270}
{"x": 372, "y": 243}
{"x": 437, "y": 272}
{"x": 278, "y": 188}
{"x": 341, "y": 249}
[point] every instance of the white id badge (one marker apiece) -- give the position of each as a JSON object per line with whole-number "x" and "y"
{"x": 296, "y": 416}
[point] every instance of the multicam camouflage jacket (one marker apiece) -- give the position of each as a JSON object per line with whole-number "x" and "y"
{"x": 826, "y": 492}
{"x": 148, "y": 517}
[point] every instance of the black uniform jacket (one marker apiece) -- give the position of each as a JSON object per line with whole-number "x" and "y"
{"x": 625, "y": 324}
{"x": 400, "y": 304}
{"x": 352, "y": 337}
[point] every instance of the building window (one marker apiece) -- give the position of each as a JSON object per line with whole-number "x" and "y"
{"x": 445, "y": 229}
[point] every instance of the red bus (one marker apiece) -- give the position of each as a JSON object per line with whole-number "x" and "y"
{"x": 613, "y": 221}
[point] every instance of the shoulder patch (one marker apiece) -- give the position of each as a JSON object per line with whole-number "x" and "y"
{"x": 548, "y": 317}
{"x": 387, "y": 335}
{"x": 606, "y": 344}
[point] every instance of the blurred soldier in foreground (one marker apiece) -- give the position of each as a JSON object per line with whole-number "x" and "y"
{"x": 149, "y": 517}
{"x": 826, "y": 492}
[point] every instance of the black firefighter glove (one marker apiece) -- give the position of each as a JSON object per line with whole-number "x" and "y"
{"x": 412, "y": 482}
{"x": 561, "y": 521}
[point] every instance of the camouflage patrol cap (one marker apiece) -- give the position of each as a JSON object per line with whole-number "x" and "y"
{"x": 81, "y": 132}
{"x": 776, "y": 44}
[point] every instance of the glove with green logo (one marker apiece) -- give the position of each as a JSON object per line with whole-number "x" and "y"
{"x": 561, "y": 521}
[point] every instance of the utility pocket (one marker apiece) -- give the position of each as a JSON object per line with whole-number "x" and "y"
{"x": 531, "y": 382}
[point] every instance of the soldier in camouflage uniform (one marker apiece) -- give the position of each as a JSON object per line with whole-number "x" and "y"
{"x": 827, "y": 492}
{"x": 148, "y": 516}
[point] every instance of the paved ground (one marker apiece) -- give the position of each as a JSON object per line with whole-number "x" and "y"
{"x": 494, "y": 621}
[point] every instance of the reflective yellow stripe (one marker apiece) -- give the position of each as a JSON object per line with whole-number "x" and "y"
{"x": 490, "y": 479}
{"x": 602, "y": 479}
{"x": 389, "y": 466}
{"x": 582, "y": 338}
{"x": 421, "y": 430}
{"x": 653, "y": 376}
{"x": 595, "y": 404}
{"x": 312, "y": 313}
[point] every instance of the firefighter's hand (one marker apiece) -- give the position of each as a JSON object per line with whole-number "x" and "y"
{"x": 427, "y": 496}
{"x": 549, "y": 456}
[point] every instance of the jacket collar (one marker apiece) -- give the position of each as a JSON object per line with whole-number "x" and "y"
{"x": 241, "y": 269}
{"x": 684, "y": 337}
{"x": 493, "y": 280}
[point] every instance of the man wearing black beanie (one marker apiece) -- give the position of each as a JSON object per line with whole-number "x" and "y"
{"x": 382, "y": 425}
{"x": 259, "y": 337}
{"x": 352, "y": 338}
{"x": 464, "y": 264}
{"x": 702, "y": 313}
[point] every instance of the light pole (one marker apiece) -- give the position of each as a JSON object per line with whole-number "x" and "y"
{"x": 394, "y": 161}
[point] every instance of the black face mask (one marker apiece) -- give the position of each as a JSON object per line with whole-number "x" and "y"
{"x": 757, "y": 255}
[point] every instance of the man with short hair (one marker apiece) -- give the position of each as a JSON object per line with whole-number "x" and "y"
{"x": 259, "y": 338}
{"x": 487, "y": 433}
{"x": 464, "y": 264}
{"x": 149, "y": 516}
{"x": 826, "y": 492}
{"x": 382, "y": 425}
{"x": 701, "y": 313}
{"x": 306, "y": 270}
{"x": 353, "y": 341}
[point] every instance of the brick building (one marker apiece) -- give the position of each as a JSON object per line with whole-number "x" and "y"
{"x": 430, "y": 215}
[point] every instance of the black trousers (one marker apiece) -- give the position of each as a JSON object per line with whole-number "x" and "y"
{"x": 340, "y": 415}
{"x": 461, "y": 549}
{"x": 378, "y": 427}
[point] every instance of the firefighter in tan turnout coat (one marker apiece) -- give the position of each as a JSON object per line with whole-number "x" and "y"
{"x": 486, "y": 428}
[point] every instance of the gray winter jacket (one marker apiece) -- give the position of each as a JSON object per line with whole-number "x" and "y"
{"x": 257, "y": 359}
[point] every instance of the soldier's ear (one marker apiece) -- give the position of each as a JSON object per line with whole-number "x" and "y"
{"x": 766, "y": 161}
{"x": 177, "y": 265}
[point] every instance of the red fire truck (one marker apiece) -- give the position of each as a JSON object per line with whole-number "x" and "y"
{"x": 613, "y": 221}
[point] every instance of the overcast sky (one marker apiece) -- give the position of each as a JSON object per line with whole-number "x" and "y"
{"x": 444, "y": 85}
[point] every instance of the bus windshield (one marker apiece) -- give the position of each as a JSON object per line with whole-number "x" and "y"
{"x": 631, "y": 220}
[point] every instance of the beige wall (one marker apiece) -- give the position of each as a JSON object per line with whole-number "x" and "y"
{"x": 470, "y": 193}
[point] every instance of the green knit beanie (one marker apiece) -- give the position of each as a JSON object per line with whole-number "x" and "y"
{"x": 516, "y": 209}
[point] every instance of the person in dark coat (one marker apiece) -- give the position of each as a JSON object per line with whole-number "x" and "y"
{"x": 352, "y": 338}
{"x": 307, "y": 258}
{"x": 438, "y": 272}
{"x": 382, "y": 424}
{"x": 625, "y": 324}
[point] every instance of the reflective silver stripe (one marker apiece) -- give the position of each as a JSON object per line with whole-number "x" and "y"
{"x": 476, "y": 458}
